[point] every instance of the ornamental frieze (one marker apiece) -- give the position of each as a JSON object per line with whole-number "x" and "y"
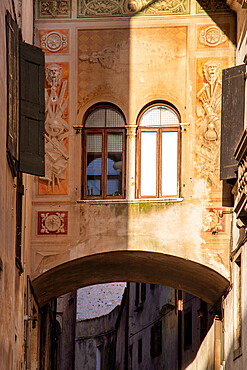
{"x": 54, "y": 41}
{"x": 115, "y": 57}
{"x": 54, "y": 8}
{"x": 121, "y": 8}
{"x": 52, "y": 223}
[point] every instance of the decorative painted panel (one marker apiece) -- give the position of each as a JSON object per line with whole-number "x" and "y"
{"x": 211, "y": 36}
{"x": 105, "y": 57}
{"x": 128, "y": 8}
{"x": 54, "y": 8}
{"x": 208, "y": 123}
{"x": 57, "y": 130}
{"x": 54, "y": 41}
{"x": 52, "y": 223}
{"x": 214, "y": 220}
{"x": 212, "y": 6}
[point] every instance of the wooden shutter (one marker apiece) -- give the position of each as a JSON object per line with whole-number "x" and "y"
{"x": 32, "y": 110}
{"x": 232, "y": 118}
{"x": 12, "y": 86}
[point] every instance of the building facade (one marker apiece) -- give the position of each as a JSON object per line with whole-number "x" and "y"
{"x": 154, "y": 327}
{"x": 19, "y": 322}
{"x": 131, "y": 188}
{"x": 234, "y": 304}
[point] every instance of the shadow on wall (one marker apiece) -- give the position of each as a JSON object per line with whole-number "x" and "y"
{"x": 210, "y": 7}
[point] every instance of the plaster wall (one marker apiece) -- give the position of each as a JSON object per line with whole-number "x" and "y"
{"x": 156, "y": 57}
{"x": 66, "y": 316}
{"x": 143, "y": 318}
{"x": 98, "y": 300}
{"x": 98, "y": 333}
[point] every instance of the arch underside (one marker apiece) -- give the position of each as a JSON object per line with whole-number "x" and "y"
{"x": 131, "y": 266}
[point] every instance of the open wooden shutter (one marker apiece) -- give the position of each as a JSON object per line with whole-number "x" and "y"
{"x": 12, "y": 86}
{"x": 232, "y": 118}
{"x": 32, "y": 110}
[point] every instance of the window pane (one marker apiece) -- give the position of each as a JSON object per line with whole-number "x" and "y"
{"x": 151, "y": 117}
{"x": 168, "y": 117}
{"x": 159, "y": 116}
{"x": 96, "y": 118}
{"x": 169, "y": 163}
{"x": 94, "y": 164}
{"x": 105, "y": 117}
{"x": 114, "y": 163}
{"x": 114, "y": 118}
{"x": 148, "y": 163}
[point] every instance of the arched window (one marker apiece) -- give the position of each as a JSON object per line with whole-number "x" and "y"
{"x": 158, "y": 152}
{"x": 104, "y": 153}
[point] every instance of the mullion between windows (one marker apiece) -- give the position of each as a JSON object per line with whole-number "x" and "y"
{"x": 159, "y": 163}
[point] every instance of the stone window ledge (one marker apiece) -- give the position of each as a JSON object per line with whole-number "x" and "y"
{"x": 130, "y": 201}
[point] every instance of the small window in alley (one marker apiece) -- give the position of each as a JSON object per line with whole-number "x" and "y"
{"x": 156, "y": 339}
{"x": 187, "y": 329}
{"x": 139, "y": 350}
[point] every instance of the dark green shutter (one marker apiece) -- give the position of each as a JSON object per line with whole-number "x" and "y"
{"x": 32, "y": 110}
{"x": 232, "y": 118}
{"x": 12, "y": 86}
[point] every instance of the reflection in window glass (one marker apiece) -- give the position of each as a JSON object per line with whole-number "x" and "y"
{"x": 104, "y": 143}
{"x": 94, "y": 164}
{"x": 148, "y": 163}
{"x": 114, "y": 163}
{"x": 169, "y": 163}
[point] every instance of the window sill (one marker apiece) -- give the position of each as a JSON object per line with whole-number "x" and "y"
{"x": 131, "y": 201}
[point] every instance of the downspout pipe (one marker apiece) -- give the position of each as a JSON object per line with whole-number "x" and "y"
{"x": 27, "y": 337}
{"x": 180, "y": 313}
{"x": 126, "y": 359}
{"x": 24, "y": 266}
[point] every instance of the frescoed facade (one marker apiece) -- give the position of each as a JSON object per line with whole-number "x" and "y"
{"x": 126, "y": 106}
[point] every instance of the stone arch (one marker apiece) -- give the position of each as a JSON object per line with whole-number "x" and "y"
{"x": 131, "y": 266}
{"x": 83, "y": 108}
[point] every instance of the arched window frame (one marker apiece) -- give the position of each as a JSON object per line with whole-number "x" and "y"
{"x": 104, "y": 131}
{"x": 158, "y": 129}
